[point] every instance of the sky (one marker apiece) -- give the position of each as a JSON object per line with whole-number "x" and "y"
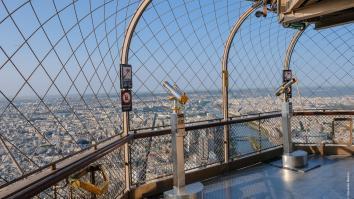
{"x": 178, "y": 41}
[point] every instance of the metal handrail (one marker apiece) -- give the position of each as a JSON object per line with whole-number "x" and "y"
{"x": 34, "y": 184}
{"x": 42, "y": 178}
{"x": 45, "y": 177}
{"x": 138, "y": 135}
{"x": 76, "y": 153}
{"x": 323, "y": 112}
{"x": 137, "y": 130}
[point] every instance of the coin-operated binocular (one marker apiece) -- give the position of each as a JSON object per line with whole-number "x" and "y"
{"x": 285, "y": 88}
{"x": 290, "y": 159}
{"x": 177, "y": 95}
{"x": 180, "y": 189}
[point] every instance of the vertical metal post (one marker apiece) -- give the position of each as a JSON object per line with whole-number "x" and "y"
{"x": 286, "y": 116}
{"x": 126, "y": 151}
{"x": 225, "y": 105}
{"x": 71, "y": 192}
{"x": 178, "y": 133}
{"x": 55, "y": 191}
{"x": 350, "y": 131}
{"x": 259, "y": 134}
{"x": 124, "y": 60}
{"x": 225, "y": 74}
{"x": 93, "y": 180}
{"x": 287, "y": 106}
{"x": 180, "y": 190}
{"x": 332, "y": 133}
{"x": 228, "y": 189}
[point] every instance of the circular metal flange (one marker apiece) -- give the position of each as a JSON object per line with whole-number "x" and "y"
{"x": 296, "y": 159}
{"x": 191, "y": 191}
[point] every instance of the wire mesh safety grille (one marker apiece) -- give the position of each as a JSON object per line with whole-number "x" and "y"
{"x": 204, "y": 147}
{"x": 323, "y": 63}
{"x": 150, "y": 158}
{"x": 342, "y": 131}
{"x": 255, "y": 65}
{"x": 322, "y": 129}
{"x": 59, "y": 80}
{"x": 250, "y": 137}
{"x": 182, "y": 42}
{"x": 112, "y": 164}
{"x": 60, "y": 92}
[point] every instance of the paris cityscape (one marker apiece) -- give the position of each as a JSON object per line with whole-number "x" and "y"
{"x": 47, "y": 132}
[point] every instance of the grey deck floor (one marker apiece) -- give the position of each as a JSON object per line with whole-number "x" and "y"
{"x": 334, "y": 179}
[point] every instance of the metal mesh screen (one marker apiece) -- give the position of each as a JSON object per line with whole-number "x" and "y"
{"x": 150, "y": 158}
{"x": 307, "y": 129}
{"x": 323, "y": 63}
{"x": 182, "y": 42}
{"x": 59, "y": 80}
{"x": 255, "y": 65}
{"x": 60, "y": 92}
{"x": 250, "y": 137}
{"x": 342, "y": 131}
{"x": 321, "y": 129}
{"x": 204, "y": 147}
{"x": 112, "y": 164}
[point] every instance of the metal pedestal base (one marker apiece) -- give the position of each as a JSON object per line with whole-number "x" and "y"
{"x": 311, "y": 163}
{"x": 190, "y": 191}
{"x": 296, "y": 159}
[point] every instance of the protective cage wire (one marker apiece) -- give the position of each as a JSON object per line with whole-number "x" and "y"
{"x": 151, "y": 157}
{"x": 59, "y": 78}
{"x": 323, "y": 62}
{"x": 255, "y": 136}
{"x": 59, "y": 72}
{"x": 325, "y": 129}
{"x": 112, "y": 164}
{"x": 255, "y": 65}
{"x": 181, "y": 42}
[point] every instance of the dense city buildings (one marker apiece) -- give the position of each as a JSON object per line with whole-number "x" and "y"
{"x": 38, "y": 133}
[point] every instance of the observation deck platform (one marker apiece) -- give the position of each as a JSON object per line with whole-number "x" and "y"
{"x": 332, "y": 180}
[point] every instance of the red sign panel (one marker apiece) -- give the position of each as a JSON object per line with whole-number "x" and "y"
{"x": 126, "y": 98}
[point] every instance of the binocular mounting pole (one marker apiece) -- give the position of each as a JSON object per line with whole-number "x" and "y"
{"x": 178, "y": 133}
{"x": 180, "y": 189}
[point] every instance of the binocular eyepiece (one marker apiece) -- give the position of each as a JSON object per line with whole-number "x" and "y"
{"x": 176, "y": 92}
{"x": 285, "y": 86}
